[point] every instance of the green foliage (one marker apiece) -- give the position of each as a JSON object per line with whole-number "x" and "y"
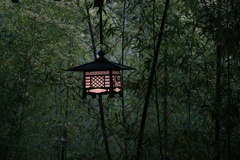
{"x": 43, "y": 115}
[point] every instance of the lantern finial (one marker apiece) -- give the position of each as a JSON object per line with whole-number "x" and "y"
{"x": 101, "y": 54}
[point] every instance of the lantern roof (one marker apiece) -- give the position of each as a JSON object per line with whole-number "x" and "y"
{"x": 100, "y": 64}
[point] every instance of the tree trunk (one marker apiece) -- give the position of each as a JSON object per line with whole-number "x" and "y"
{"x": 218, "y": 98}
{"x": 91, "y": 32}
{"x": 218, "y": 103}
{"x": 105, "y": 138}
{"x": 150, "y": 82}
{"x": 229, "y": 105}
{"x": 123, "y": 99}
{"x": 165, "y": 104}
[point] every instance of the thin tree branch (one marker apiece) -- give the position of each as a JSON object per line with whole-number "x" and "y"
{"x": 105, "y": 138}
{"x": 91, "y": 32}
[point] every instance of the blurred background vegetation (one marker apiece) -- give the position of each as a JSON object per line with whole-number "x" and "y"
{"x": 193, "y": 112}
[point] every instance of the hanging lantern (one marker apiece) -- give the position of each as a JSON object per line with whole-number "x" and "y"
{"x": 101, "y": 77}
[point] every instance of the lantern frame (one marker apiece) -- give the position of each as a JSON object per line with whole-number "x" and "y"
{"x": 102, "y": 82}
{"x": 101, "y": 77}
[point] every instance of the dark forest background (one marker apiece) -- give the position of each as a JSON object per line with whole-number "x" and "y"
{"x": 193, "y": 108}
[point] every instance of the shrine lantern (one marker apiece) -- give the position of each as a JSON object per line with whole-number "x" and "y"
{"x": 101, "y": 77}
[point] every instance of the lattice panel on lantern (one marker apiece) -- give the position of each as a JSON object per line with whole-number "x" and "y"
{"x": 97, "y": 81}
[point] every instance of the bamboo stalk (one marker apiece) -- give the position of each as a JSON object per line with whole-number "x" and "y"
{"x": 151, "y": 78}
{"x": 105, "y": 138}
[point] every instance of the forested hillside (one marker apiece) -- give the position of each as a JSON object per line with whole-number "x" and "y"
{"x": 181, "y": 103}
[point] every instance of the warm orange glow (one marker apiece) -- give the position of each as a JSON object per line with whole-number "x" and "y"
{"x": 97, "y": 82}
{"x": 117, "y": 89}
{"x": 115, "y": 72}
{"x": 116, "y": 81}
{"x": 98, "y": 90}
{"x": 97, "y": 73}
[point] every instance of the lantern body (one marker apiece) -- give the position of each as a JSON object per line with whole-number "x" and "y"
{"x": 101, "y": 77}
{"x": 102, "y": 82}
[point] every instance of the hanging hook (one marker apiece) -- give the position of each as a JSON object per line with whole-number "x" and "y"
{"x": 102, "y": 48}
{"x": 98, "y": 3}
